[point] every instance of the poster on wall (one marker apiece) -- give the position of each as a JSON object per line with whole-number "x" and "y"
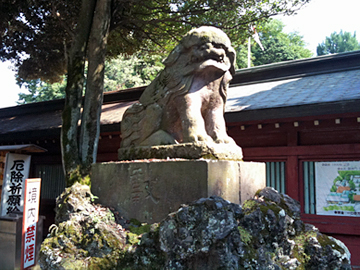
{"x": 338, "y": 188}
{"x": 16, "y": 171}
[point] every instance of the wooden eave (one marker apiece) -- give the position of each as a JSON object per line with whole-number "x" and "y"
{"x": 316, "y": 109}
{"x": 22, "y": 148}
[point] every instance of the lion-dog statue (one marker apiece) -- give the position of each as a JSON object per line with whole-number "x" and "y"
{"x": 186, "y": 101}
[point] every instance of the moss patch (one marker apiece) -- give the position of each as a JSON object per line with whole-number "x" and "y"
{"x": 244, "y": 235}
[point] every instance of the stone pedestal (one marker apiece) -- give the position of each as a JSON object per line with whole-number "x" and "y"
{"x": 148, "y": 190}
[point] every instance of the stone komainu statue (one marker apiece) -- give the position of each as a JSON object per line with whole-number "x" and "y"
{"x": 186, "y": 101}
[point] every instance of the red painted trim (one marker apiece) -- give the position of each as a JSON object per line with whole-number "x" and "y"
{"x": 292, "y": 185}
{"x": 312, "y": 150}
{"x": 292, "y": 138}
{"x": 352, "y": 116}
{"x": 334, "y": 225}
{"x": 301, "y": 185}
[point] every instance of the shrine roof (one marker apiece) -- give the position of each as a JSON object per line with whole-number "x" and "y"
{"x": 314, "y": 86}
{"x": 330, "y": 88}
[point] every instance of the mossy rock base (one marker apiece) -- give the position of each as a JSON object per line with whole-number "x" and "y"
{"x": 184, "y": 150}
{"x": 85, "y": 235}
{"x": 266, "y": 232}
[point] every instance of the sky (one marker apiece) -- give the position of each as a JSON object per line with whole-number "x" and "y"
{"x": 314, "y": 22}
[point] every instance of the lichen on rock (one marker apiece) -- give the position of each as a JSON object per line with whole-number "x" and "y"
{"x": 266, "y": 232}
{"x": 282, "y": 241}
{"x": 85, "y": 235}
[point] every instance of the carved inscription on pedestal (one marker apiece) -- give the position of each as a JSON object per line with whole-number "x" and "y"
{"x": 136, "y": 177}
{"x": 141, "y": 184}
{"x": 149, "y": 184}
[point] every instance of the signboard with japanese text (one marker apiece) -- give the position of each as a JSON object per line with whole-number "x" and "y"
{"x": 30, "y": 219}
{"x": 16, "y": 171}
{"x": 338, "y": 188}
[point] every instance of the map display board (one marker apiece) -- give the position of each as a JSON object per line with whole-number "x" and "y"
{"x": 338, "y": 188}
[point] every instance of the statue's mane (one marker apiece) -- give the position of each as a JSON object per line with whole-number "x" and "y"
{"x": 177, "y": 76}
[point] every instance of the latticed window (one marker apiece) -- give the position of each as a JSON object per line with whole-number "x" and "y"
{"x": 275, "y": 175}
{"x": 309, "y": 187}
{"x": 52, "y": 180}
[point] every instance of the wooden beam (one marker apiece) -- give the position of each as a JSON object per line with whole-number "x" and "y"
{"x": 337, "y": 150}
{"x": 292, "y": 183}
{"x": 316, "y": 109}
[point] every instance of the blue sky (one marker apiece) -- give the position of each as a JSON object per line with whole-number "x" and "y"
{"x": 314, "y": 22}
{"x": 320, "y": 18}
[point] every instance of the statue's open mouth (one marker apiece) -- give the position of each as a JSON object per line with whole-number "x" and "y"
{"x": 216, "y": 56}
{"x": 215, "y": 60}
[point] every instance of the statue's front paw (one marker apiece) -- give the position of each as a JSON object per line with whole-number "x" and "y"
{"x": 224, "y": 139}
{"x": 197, "y": 138}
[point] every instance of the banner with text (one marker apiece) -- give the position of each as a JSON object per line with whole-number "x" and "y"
{"x": 16, "y": 171}
{"x": 30, "y": 220}
{"x": 338, "y": 188}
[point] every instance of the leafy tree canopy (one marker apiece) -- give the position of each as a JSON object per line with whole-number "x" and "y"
{"x": 41, "y": 91}
{"x": 337, "y": 43}
{"x": 278, "y": 46}
{"x": 37, "y": 35}
{"x": 121, "y": 72}
{"x": 125, "y": 72}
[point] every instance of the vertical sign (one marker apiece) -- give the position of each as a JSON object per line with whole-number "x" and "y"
{"x": 16, "y": 171}
{"x": 338, "y": 188}
{"x": 30, "y": 219}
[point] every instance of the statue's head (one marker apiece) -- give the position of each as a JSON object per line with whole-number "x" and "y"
{"x": 206, "y": 46}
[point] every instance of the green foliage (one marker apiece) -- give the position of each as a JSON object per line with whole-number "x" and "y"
{"x": 77, "y": 176}
{"x": 41, "y": 91}
{"x": 249, "y": 206}
{"x": 133, "y": 238}
{"x": 130, "y": 71}
{"x": 299, "y": 250}
{"x": 333, "y": 188}
{"x": 242, "y": 57}
{"x": 337, "y": 43}
{"x": 139, "y": 230}
{"x": 121, "y": 72}
{"x": 278, "y": 46}
{"x": 37, "y": 35}
{"x": 43, "y": 31}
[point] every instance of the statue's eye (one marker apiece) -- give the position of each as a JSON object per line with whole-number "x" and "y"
{"x": 216, "y": 45}
{"x": 219, "y": 46}
{"x": 204, "y": 46}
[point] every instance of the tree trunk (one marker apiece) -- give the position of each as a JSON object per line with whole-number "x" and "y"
{"x": 90, "y": 121}
{"x": 74, "y": 89}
